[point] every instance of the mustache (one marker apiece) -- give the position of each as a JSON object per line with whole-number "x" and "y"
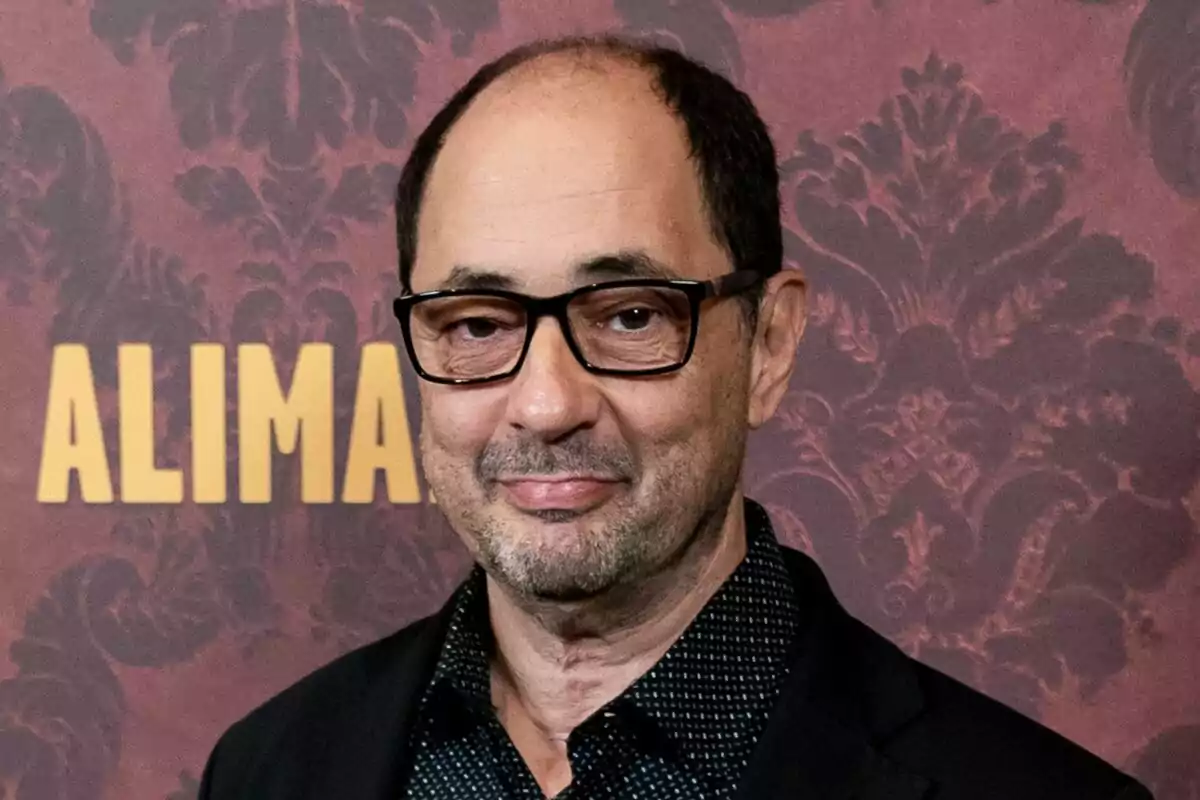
{"x": 533, "y": 457}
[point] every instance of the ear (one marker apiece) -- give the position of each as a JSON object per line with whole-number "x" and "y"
{"x": 781, "y": 320}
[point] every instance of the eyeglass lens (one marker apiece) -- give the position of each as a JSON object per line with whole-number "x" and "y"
{"x": 632, "y": 328}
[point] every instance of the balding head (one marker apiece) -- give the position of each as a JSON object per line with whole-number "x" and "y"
{"x": 727, "y": 140}
{"x": 560, "y": 160}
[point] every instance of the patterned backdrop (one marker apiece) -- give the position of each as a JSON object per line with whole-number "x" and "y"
{"x": 990, "y": 442}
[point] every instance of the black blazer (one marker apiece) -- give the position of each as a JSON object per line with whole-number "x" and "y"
{"x": 858, "y": 719}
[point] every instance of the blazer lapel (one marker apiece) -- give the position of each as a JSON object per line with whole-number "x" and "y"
{"x": 848, "y": 690}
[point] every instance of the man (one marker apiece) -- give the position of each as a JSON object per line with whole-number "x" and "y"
{"x": 590, "y": 252}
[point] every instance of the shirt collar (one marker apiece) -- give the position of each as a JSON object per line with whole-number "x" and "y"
{"x": 729, "y": 664}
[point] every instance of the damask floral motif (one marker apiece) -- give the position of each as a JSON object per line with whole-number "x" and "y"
{"x": 990, "y": 459}
{"x": 384, "y": 564}
{"x": 293, "y": 218}
{"x": 1162, "y": 65}
{"x": 20, "y": 236}
{"x": 297, "y": 291}
{"x": 150, "y": 602}
{"x": 61, "y": 714}
{"x": 288, "y": 75}
{"x": 243, "y": 543}
{"x": 293, "y": 211}
{"x": 378, "y": 566}
{"x": 63, "y": 221}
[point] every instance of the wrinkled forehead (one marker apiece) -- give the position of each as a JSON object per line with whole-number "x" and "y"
{"x": 550, "y": 183}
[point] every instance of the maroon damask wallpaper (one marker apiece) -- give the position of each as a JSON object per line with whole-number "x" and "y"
{"x": 992, "y": 442}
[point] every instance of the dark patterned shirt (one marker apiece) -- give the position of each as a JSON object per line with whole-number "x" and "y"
{"x": 685, "y": 729}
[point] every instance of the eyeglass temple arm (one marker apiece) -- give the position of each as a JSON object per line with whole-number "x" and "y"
{"x": 732, "y": 283}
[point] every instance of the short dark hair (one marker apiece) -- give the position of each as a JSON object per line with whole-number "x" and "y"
{"x": 730, "y": 145}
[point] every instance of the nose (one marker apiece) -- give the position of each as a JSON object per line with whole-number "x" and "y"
{"x": 552, "y": 395}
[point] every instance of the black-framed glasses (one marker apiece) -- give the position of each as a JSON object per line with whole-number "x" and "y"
{"x": 632, "y": 327}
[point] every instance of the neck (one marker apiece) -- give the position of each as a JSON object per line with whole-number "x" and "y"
{"x": 556, "y": 664}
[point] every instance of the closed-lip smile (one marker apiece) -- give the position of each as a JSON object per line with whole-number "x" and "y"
{"x": 556, "y": 479}
{"x": 542, "y": 492}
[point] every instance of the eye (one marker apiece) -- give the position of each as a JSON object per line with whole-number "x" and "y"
{"x": 476, "y": 327}
{"x": 634, "y": 319}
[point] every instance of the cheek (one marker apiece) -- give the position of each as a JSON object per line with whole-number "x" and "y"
{"x": 456, "y": 426}
{"x": 717, "y": 403}
{"x": 678, "y": 419}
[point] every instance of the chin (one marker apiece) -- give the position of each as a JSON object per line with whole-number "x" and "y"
{"x": 551, "y": 576}
{"x": 556, "y": 514}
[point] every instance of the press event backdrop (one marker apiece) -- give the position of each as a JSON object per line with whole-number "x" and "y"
{"x": 207, "y": 482}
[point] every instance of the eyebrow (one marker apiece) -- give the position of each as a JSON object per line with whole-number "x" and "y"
{"x": 464, "y": 277}
{"x": 624, "y": 264}
{"x": 610, "y": 266}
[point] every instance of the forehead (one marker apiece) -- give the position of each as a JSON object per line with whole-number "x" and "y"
{"x": 556, "y": 166}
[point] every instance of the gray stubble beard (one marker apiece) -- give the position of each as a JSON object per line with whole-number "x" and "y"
{"x": 633, "y": 545}
{"x": 625, "y": 548}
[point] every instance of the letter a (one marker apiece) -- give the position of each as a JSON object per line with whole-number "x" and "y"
{"x": 379, "y": 406}
{"x": 73, "y": 438}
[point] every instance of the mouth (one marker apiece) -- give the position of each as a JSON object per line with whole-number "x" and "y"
{"x": 567, "y": 492}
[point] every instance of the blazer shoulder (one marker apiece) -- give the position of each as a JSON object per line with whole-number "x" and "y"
{"x": 329, "y": 704}
{"x": 967, "y": 738}
{"x": 967, "y": 743}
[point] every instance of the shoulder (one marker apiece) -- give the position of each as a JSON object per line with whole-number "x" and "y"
{"x": 332, "y": 713}
{"x": 348, "y": 679}
{"x": 967, "y": 743}
{"x": 965, "y": 738}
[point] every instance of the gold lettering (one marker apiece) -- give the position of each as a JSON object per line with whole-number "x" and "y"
{"x": 141, "y": 480}
{"x": 208, "y": 423}
{"x": 379, "y": 404}
{"x": 308, "y": 405}
{"x": 72, "y": 438}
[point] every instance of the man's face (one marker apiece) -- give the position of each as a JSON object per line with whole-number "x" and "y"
{"x": 544, "y": 172}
